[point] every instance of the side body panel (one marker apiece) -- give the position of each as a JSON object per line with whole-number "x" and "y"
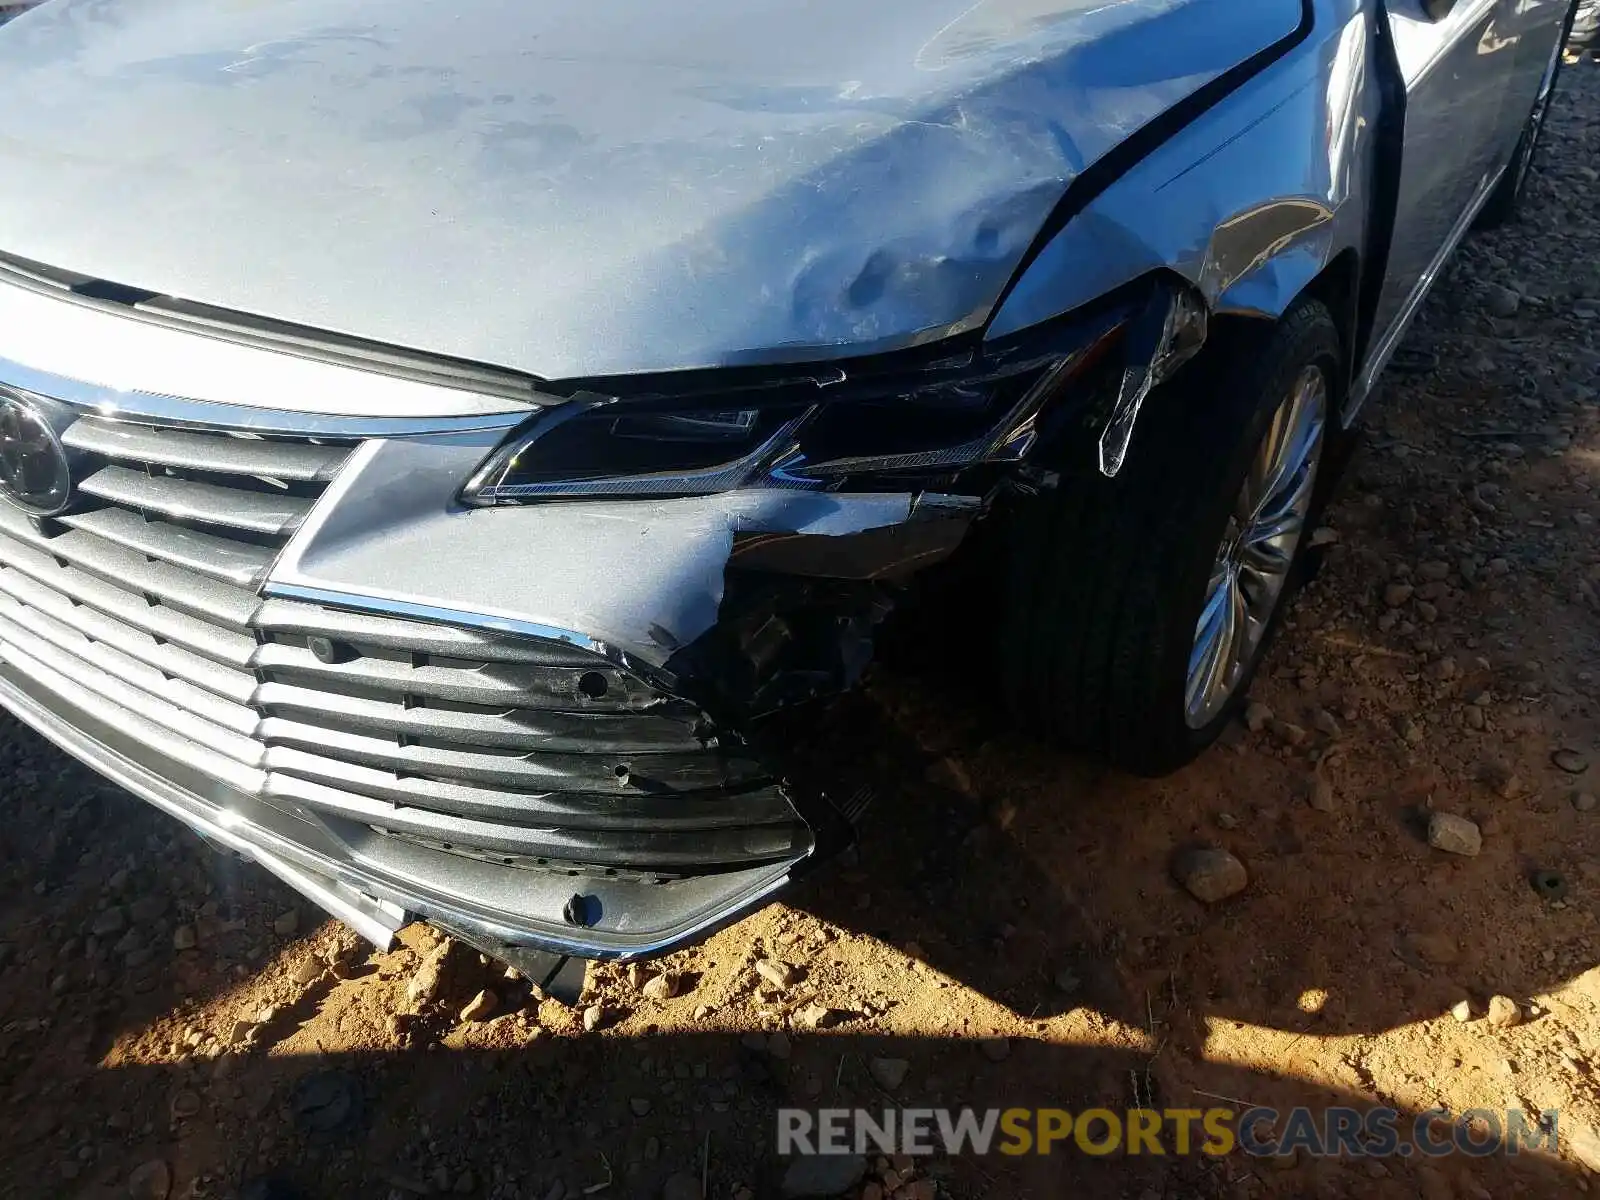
{"x": 1457, "y": 71}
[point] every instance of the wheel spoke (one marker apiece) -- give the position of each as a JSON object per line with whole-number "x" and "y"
{"x": 1208, "y": 635}
{"x": 1258, "y": 548}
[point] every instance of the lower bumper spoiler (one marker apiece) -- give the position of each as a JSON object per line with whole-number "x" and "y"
{"x": 377, "y": 884}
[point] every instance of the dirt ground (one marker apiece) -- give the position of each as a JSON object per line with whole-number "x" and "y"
{"x": 174, "y": 1023}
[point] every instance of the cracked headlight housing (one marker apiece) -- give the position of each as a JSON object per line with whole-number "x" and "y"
{"x": 861, "y": 426}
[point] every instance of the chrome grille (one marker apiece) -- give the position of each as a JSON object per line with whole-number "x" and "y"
{"x": 512, "y": 749}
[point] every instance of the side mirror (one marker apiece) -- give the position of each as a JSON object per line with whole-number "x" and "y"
{"x": 1437, "y": 10}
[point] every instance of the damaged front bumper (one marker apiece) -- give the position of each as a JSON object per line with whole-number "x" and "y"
{"x": 532, "y": 725}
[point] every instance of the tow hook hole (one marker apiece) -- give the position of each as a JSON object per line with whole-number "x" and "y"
{"x": 578, "y": 911}
{"x": 621, "y": 772}
{"x": 592, "y": 684}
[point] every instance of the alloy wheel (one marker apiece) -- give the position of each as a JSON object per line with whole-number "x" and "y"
{"x": 1257, "y": 549}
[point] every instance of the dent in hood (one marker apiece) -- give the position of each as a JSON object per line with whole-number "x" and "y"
{"x": 570, "y": 189}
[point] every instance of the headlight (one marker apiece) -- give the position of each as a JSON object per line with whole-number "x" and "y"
{"x": 866, "y": 427}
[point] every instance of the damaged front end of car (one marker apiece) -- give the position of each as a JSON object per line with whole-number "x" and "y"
{"x": 509, "y": 672}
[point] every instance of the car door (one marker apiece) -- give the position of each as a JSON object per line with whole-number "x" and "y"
{"x": 1537, "y": 26}
{"x": 1456, "y": 60}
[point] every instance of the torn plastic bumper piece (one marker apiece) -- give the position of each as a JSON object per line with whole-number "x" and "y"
{"x": 1167, "y": 332}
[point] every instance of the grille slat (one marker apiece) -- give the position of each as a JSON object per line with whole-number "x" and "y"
{"x": 237, "y": 455}
{"x": 505, "y": 727}
{"x": 204, "y": 503}
{"x": 158, "y": 620}
{"x": 168, "y": 659}
{"x": 624, "y": 846}
{"x": 200, "y": 595}
{"x": 242, "y": 564}
{"x": 142, "y": 688}
{"x": 294, "y": 616}
{"x": 530, "y": 809}
{"x": 560, "y": 688}
{"x": 599, "y": 774}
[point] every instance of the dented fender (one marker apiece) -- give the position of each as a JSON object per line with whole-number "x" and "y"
{"x": 1248, "y": 202}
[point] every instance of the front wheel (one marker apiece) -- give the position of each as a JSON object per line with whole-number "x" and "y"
{"x": 1138, "y": 607}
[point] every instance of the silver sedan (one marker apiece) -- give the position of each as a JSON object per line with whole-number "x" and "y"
{"x": 438, "y": 439}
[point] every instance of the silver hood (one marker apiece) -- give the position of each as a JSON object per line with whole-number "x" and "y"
{"x": 583, "y": 187}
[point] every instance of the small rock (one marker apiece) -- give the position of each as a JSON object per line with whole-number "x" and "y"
{"x": 1319, "y": 794}
{"x": 1475, "y": 717}
{"x": 1434, "y": 570}
{"x": 308, "y": 970}
{"x": 779, "y": 974}
{"x": 466, "y": 1183}
{"x": 1209, "y": 873}
{"x": 1289, "y": 733}
{"x": 1257, "y": 716}
{"x": 111, "y": 920}
{"x": 995, "y": 1049}
{"x": 150, "y": 1181}
{"x": 286, "y": 923}
{"x": 1501, "y": 301}
{"x": 639, "y": 1106}
{"x": 1570, "y": 761}
{"x": 1584, "y": 801}
{"x": 592, "y": 1018}
{"x": 1067, "y": 981}
{"x": 184, "y": 1105}
{"x": 682, "y": 1187}
{"x": 1454, "y": 835}
{"x": 481, "y": 1007}
{"x": 661, "y": 987}
{"x": 1437, "y": 948}
{"x": 184, "y": 938}
{"x": 1326, "y": 723}
{"x": 888, "y": 1073}
{"x": 1503, "y": 1012}
{"x": 423, "y": 987}
{"x": 822, "y": 1175}
{"x": 147, "y": 908}
{"x": 1462, "y": 1011}
{"x": 778, "y": 1045}
{"x": 817, "y": 1016}
{"x": 1396, "y": 594}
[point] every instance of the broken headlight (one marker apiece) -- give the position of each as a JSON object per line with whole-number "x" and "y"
{"x": 861, "y": 427}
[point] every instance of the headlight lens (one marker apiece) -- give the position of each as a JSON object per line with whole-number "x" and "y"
{"x": 869, "y": 430}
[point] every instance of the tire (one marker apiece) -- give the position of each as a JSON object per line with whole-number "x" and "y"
{"x": 1106, "y": 578}
{"x": 1502, "y": 205}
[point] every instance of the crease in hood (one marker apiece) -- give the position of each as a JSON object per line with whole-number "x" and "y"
{"x": 583, "y": 188}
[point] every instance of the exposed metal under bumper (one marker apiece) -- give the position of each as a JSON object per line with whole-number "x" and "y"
{"x": 374, "y": 882}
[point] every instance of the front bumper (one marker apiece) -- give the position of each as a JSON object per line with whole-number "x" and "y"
{"x": 526, "y": 726}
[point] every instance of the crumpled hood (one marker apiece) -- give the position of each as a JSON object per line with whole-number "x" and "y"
{"x": 583, "y": 187}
